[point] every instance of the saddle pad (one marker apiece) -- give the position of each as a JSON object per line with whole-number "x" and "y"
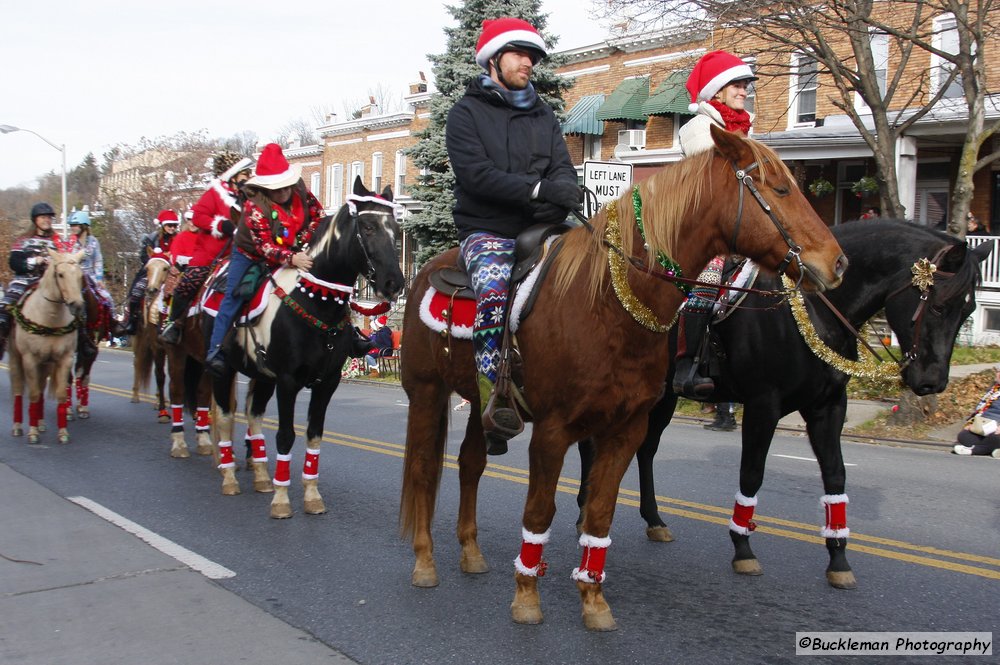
{"x": 436, "y": 308}
{"x": 212, "y": 299}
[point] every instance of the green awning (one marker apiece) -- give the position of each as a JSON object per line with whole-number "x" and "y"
{"x": 625, "y": 103}
{"x": 670, "y": 96}
{"x": 582, "y": 119}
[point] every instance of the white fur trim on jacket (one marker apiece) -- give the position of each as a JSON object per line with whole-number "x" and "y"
{"x": 224, "y": 194}
{"x": 217, "y": 226}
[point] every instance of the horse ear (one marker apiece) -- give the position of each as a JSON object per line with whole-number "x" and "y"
{"x": 78, "y": 256}
{"x": 732, "y": 146}
{"x": 387, "y": 193}
{"x": 359, "y": 187}
{"x": 52, "y": 253}
{"x": 983, "y": 250}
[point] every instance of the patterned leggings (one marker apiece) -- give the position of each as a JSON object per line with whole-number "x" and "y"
{"x": 192, "y": 280}
{"x": 703, "y": 298}
{"x": 489, "y": 260}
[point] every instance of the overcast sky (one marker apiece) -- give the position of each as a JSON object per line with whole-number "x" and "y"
{"x": 94, "y": 73}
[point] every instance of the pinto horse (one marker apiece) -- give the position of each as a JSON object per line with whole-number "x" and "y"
{"x": 594, "y": 352}
{"x": 148, "y": 353}
{"x": 926, "y": 283}
{"x": 44, "y": 342}
{"x": 304, "y": 336}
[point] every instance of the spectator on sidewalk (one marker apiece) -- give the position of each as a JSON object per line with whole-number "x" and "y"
{"x": 980, "y": 435}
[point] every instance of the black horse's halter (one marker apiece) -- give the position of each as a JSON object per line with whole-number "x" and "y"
{"x": 794, "y": 250}
{"x": 369, "y": 271}
{"x": 925, "y": 286}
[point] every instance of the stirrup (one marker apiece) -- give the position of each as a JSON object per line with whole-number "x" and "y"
{"x": 501, "y": 420}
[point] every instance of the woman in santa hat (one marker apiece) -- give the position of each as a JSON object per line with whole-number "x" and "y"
{"x": 155, "y": 243}
{"x": 279, "y": 218}
{"x": 718, "y": 86}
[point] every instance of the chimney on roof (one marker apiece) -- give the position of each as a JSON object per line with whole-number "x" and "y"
{"x": 419, "y": 86}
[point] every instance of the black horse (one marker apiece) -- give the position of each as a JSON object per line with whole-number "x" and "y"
{"x": 924, "y": 280}
{"x": 304, "y": 337}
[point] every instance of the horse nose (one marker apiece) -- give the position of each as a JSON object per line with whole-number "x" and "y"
{"x": 76, "y": 308}
{"x": 840, "y": 266}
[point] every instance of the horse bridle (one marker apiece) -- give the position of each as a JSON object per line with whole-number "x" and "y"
{"x": 923, "y": 280}
{"x": 369, "y": 272}
{"x": 794, "y": 250}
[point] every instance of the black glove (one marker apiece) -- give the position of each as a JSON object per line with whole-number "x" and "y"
{"x": 562, "y": 193}
{"x": 226, "y": 228}
{"x": 549, "y": 213}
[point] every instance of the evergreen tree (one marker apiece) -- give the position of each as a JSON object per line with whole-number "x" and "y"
{"x": 433, "y": 227}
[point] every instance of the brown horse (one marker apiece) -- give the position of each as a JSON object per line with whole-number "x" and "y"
{"x": 148, "y": 354}
{"x": 43, "y": 342}
{"x": 100, "y": 326}
{"x": 594, "y": 351}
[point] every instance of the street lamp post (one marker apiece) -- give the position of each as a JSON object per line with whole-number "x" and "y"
{"x": 7, "y": 129}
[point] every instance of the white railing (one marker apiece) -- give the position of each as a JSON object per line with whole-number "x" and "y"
{"x": 991, "y": 266}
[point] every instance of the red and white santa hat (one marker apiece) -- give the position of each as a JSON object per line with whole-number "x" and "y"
{"x": 379, "y": 322}
{"x": 167, "y": 217}
{"x": 504, "y": 31}
{"x": 273, "y": 170}
{"x": 713, "y": 72}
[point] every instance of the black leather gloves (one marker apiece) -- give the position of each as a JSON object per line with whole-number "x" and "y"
{"x": 549, "y": 213}
{"x": 561, "y": 192}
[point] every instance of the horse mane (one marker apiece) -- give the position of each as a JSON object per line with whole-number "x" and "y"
{"x": 667, "y": 196}
{"x": 324, "y": 237}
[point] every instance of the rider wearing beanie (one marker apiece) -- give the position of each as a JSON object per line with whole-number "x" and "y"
{"x": 512, "y": 170}
{"x": 28, "y": 258}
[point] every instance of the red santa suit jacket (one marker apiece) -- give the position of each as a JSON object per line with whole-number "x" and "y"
{"x": 209, "y": 214}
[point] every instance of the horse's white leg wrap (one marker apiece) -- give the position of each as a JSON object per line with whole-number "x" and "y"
{"x": 835, "y": 507}
{"x": 595, "y": 551}
{"x": 742, "y": 520}
{"x": 529, "y": 561}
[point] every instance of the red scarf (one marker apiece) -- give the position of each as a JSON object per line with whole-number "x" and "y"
{"x": 736, "y": 121}
{"x": 291, "y": 223}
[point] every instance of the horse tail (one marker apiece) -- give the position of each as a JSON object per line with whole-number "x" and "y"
{"x": 423, "y": 464}
{"x": 142, "y": 363}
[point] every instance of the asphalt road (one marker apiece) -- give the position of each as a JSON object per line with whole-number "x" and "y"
{"x": 925, "y": 542}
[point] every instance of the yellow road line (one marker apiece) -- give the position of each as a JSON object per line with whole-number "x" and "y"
{"x": 687, "y": 509}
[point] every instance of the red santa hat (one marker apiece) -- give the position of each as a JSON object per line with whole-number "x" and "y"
{"x": 379, "y": 322}
{"x": 713, "y": 72}
{"x": 167, "y": 217}
{"x": 508, "y": 31}
{"x": 273, "y": 170}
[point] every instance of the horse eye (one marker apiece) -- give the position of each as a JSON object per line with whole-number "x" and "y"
{"x": 782, "y": 190}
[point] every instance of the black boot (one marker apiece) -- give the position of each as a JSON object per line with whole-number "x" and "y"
{"x": 4, "y": 330}
{"x": 725, "y": 418}
{"x": 687, "y": 380}
{"x": 171, "y": 333}
{"x": 132, "y": 316}
{"x": 215, "y": 362}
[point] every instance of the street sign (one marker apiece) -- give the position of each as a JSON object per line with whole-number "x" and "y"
{"x": 608, "y": 181}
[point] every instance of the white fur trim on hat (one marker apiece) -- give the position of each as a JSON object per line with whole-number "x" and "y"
{"x": 490, "y": 48}
{"x": 722, "y": 79}
{"x": 241, "y": 165}
{"x": 278, "y": 180}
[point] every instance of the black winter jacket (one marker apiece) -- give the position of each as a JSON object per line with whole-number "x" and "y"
{"x": 498, "y": 154}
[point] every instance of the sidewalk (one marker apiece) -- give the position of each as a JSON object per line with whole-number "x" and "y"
{"x": 861, "y": 411}
{"x": 77, "y": 590}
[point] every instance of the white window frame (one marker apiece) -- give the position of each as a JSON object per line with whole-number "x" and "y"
{"x": 335, "y": 187}
{"x": 880, "y": 58}
{"x": 376, "y": 172}
{"x": 399, "y": 184}
{"x": 357, "y": 170}
{"x": 751, "y": 99}
{"x": 795, "y": 93}
{"x": 591, "y": 147}
{"x": 314, "y": 182}
{"x": 945, "y": 31}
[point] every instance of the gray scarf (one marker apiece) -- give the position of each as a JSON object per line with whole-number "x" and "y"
{"x": 519, "y": 99}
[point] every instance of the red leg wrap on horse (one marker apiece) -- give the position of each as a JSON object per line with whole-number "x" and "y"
{"x": 531, "y": 554}
{"x": 177, "y": 415}
{"x": 34, "y": 413}
{"x": 61, "y": 410}
{"x": 258, "y": 448}
{"x": 201, "y": 419}
{"x": 282, "y": 472}
{"x": 310, "y": 468}
{"x": 18, "y": 409}
{"x": 82, "y": 393}
{"x": 69, "y": 391}
{"x": 226, "y": 455}
{"x": 743, "y": 516}
{"x": 591, "y": 565}
{"x": 835, "y": 507}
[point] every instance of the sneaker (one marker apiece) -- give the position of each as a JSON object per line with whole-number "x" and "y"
{"x": 959, "y": 449}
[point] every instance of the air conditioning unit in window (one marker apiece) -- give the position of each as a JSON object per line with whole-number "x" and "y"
{"x": 635, "y": 139}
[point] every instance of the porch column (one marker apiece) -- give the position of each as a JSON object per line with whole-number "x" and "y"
{"x": 906, "y": 173}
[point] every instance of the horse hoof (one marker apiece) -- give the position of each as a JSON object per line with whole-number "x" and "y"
{"x": 70, "y": 416}
{"x": 474, "y": 564}
{"x": 17, "y": 430}
{"x": 747, "y": 567}
{"x": 179, "y": 452}
{"x": 528, "y": 615}
{"x": 841, "y": 579}
{"x": 33, "y": 439}
{"x": 281, "y": 511}
{"x": 230, "y": 489}
{"x": 263, "y": 487}
{"x": 134, "y": 400}
{"x": 204, "y": 449}
{"x": 602, "y": 621}
{"x": 424, "y": 578}
{"x": 64, "y": 438}
{"x": 83, "y": 414}
{"x": 313, "y": 507}
{"x": 42, "y": 426}
{"x": 162, "y": 417}
{"x": 659, "y": 534}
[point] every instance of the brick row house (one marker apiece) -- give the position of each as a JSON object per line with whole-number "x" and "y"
{"x": 628, "y": 102}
